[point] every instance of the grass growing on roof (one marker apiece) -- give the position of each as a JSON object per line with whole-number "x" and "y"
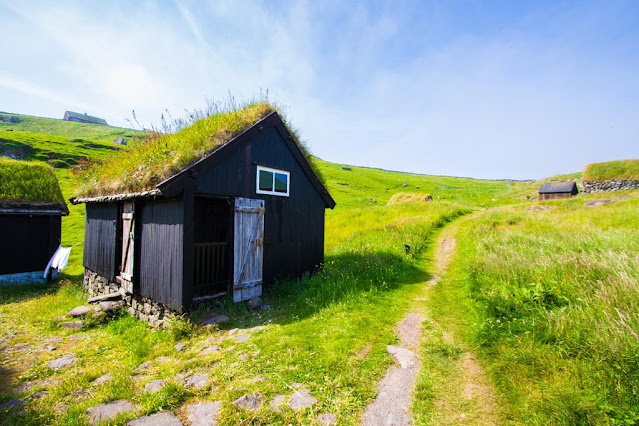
{"x": 622, "y": 169}
{"x": 28, "y": 181}
{"x": 156, "y": 158}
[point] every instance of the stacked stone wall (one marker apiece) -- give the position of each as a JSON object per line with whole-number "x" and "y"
{"x": 144, "y": 309}
{"x": 610, "y": 185}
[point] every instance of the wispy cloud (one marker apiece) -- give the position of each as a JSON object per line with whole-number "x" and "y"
{"x": 432, "y": 88}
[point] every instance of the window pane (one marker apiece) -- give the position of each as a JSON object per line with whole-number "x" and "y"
{"x": 266, "y": 180}
{"x": 281, "y": 181}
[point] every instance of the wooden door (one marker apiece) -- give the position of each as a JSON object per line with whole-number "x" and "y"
{"x": 128, "y": 240}
{"x": 248, "y": 249}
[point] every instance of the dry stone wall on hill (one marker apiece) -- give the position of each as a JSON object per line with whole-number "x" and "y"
{"x": 610, "y": 185}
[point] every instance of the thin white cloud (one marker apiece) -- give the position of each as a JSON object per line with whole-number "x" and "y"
{"x": 191, "y": 22}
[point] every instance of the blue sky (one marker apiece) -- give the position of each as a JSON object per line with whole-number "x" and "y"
{"x": 487, "y": 89}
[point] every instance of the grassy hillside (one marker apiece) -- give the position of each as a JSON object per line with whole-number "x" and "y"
{"x": 548, "y": 298}
{"x": 551, "y": 299}
{"x": 59, "y": 151}
{"x": 65, "y": 129}
{"x": 353, "y": 186}
{"x": 623, "y": 169}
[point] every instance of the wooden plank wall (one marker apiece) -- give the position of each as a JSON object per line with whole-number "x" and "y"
{"x": 100, "y": 238}
{"x": 160, "y": 252}
{"x": 294, "y": 225}
{"x": 27, "y": 242}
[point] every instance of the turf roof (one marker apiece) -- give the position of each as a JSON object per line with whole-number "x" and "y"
{"x": 25, "y": 184}
{"x": 160, "y": 156}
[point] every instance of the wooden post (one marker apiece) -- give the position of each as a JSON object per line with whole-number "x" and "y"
{"x": 188, "y": 254}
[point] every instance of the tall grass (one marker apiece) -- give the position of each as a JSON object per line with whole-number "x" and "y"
{"x": 557, "y": 296}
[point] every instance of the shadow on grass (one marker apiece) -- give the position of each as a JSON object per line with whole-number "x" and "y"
{"x": 342, "y": 278}
{"x": 16, "y": 293}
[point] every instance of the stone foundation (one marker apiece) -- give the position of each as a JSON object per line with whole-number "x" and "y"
{"x": 610, "y": 185}
{"x": 144, "y": 309}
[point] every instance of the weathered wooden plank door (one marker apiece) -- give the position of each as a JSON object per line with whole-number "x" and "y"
{"x": 248, "y": 249}
{"x": 128, "y": 239}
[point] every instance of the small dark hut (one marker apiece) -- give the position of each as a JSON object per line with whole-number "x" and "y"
{"x": 249, "y": 212}
{"x": 31, "y": 206}
{"x": 554, "y": 190}
{"x": 83, "y": 118}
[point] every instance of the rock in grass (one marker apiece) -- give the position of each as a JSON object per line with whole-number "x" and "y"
{"x": 215, "y": 319}
{"x": 110, "y": 307}
{"x": 108, "y": 411}
{"x": 203, "y": 413}
{"x": 62, "y": 362}
{"x": 276, "y": 403}
{"x": 11, "y": 405}
{"x": 210, "y": 349}
{"x": 242, "y": 338}
{"x": 301, "y": 399}
{"x": 327, "y": 418}
{"x": 249, "y": 402}
{"x": 102, "y": 379}
{"x": 72, "y": 325}
{"x": 406, "y": 358}
{"x": 145, "y": 365}
{"x": 180, "y": 347}
{"x": 597, "y": 203}
{"x": 154, "y": 386}
{"x": 79, "y": 311}
{"x": 197, "y": 381}
{"x": 163, "y": 418}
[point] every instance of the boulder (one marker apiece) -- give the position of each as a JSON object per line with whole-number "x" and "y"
{"x": 108, "y": 411}
{"x": 249, "y": 402}
{"x": 79, "y": 311}
{"x": 203, "y": 413}
{"x": 163, "y": 418}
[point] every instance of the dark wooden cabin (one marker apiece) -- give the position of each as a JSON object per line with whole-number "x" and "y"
{"x": 554, "y": 190}
{"x": 249, "y": 213}
{"x": 31, "y": 207}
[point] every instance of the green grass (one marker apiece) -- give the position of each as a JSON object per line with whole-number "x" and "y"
{"x": 23, "y": 181}
{"x": 65, "y": 129}
{"x": 328, "y": 331}
{"x": 556, "y": 296}
{"x": 623, "y": 169}
{"x": 59, "y": 151}
{"x": 547, "y": 300}
{"x": 363, "y": 187}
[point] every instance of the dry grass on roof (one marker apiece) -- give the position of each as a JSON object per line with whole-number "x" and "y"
{"x": 28, "y": 182}
{"x": 160, "y": 156}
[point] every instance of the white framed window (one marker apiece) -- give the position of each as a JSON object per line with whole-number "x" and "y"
{"x": 273, "y": 181}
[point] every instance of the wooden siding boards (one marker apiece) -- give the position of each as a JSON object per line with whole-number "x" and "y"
{"x": 100, "y": 238}
{"x": 27, "y": 242}
{"x": 293, "y": 225}
{"x": 160, "y": 259}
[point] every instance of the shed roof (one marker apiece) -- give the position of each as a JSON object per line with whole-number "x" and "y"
{"x": 29, "y": 187}
{"x": 86, "y": 117}
{"x": 557, "y": 187}
{"x": 156, "y": 165}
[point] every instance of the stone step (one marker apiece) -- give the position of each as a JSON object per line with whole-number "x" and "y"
{"x": 105, "y": 297}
